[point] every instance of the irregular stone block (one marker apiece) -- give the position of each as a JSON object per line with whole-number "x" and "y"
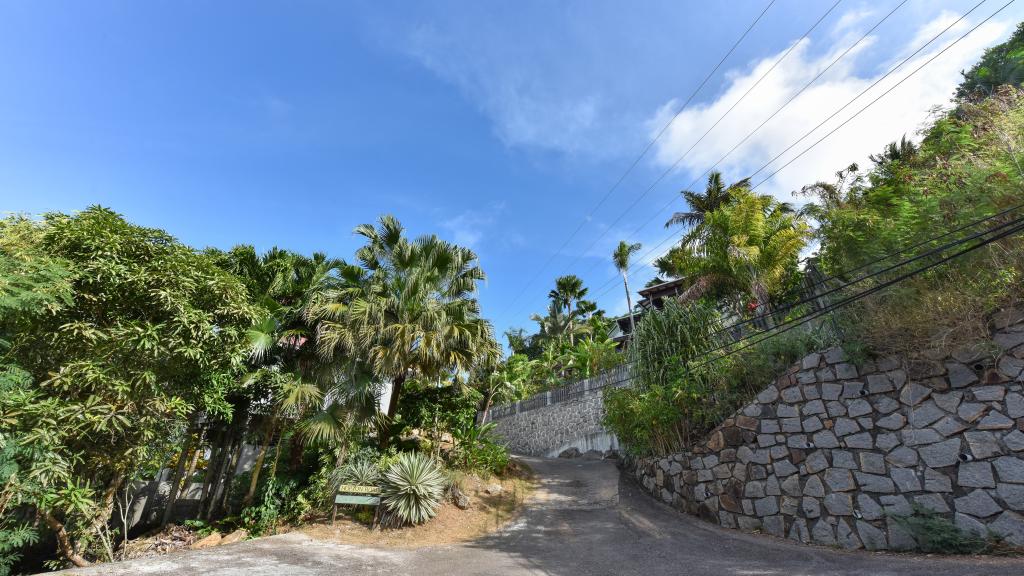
{"x": 791, "y": 425}
{"x": 766, "y": 506}
{"x": 950, "y": 425}
{"x": 1014, "y": 440}
{"x": 1010, "y": 469}
{"x": 825, "y": 439}
{"x": 983, "y": 444}
{"x": 977, "y": 503}
{"x": 861, "y": 441}
{"x": 825, "y": 375}
{"x": 787, "y": 411}
{"x": 906, "y": 479}
{"x": 878, "y": 383}
{"x": 799, "y": 532}
{"x": 822, "y": 533}
{"x": 853, "y": 390}
{"x": 810, "y": 361}
{"x": 949, "y": 401}
{"x": 812, "y": 424}
{"x": 816, "y": 462}
{"x": 933, "y": 502}
{"x": 920, "y": 436}
{"x": 774, "y": 525}
{"x": 831, "y": 391}
{"x": 784, "y": 468}
{"x": 872, "y": 463}
{"x": 797, "y": 441}
{"x": 988, "y": 393}
{"x": 886, "y": 404}
{"x": 970, "y": 412}
{"x": 1011, "y": 526}
{"x": 839, "y": 504}
{"x": 1012, "y": 495}
{"x": 893, "y": 421}
{"x": 959, "y": 375}
{"x": 791, "y": 485}
{"x": 1008, "y": 340}
{"x": 814, "y": 487}
{"x": 839, "y": 480}
{"x": 810, "y": 507}
{"x": 896, "y": 505}
{"x": 768, "y": 395}
{"x": 754, "y": 489}
{"x": 875, "y": 483}
{"x": 792, "y": 395}
{"x": 925, "y": 414}
{"x": 814, "y": 407}
{"x": 868, "y": 508}
{"x": 845, "y": 427}
{"x": 843, "y": 459}
{"x": 846, "y": 371}
{"x": 749, "y": 523}
{"x": 846, "y": 537}
{"x": 935, "y": 481}
{"x": 941, "y": 454}
{"x": 995, "y": 421}
{"x": 1014, "y": 405}
{"x": 969, "y": 525}
{"x": 873, "y": 538}
{"x": 914, "y": 393}
{"x": 836, "y": 408}
{"x": 858, "y": 407}
{"x": 887, "y": 441}
{"x": 899, "y": 537}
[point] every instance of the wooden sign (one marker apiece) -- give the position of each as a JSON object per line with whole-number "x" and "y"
{"x": 355, "y": 489}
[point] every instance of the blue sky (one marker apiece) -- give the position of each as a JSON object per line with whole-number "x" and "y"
{"x": 494, "y": 124}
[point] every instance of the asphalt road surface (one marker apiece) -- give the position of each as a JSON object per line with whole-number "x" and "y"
{"x": 582, "y": 520}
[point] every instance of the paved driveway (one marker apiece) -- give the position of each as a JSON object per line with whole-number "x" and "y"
{"x": 582, "y": 521}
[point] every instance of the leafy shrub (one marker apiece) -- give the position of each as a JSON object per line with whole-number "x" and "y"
{"x": 359, "y": 472}
{"x": 475, "y": 449}
{"x": 935, "y": 534}
{"x": 681, "y": 389}
{"x": 412, "y": 489}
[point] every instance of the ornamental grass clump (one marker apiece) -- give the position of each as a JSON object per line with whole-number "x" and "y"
{"x": 412, "y": 489}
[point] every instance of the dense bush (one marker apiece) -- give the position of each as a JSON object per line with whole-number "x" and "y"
{"x": 412, "y": 489}
{"x": 477, "y": 450}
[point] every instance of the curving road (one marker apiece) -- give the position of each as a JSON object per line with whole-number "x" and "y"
{"x": 582, "y": 520}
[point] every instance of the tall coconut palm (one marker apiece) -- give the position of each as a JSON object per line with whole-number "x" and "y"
{"x": 620, "y": 257}
{"x": 414, "y": 313}
{"x": 569, "y": 290}
{"x": 716, "y": 195}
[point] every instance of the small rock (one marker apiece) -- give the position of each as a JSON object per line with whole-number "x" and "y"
{"x": 236, "y": 536}
{"x": 570, "y": 453}
{"x": 208, "y": 542}
{"x": 493, "y": 489}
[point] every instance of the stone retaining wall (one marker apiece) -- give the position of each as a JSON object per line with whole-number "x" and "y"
{"x": 831, "y": 452}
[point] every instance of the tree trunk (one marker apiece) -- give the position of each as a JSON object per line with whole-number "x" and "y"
{"x": 629, "y": 304}
{"x": 258, "y": 466}
{"x": 179, "y": 471}
{"x": 396, "y": 392}
{"x": 104, "y": 511}
{"x": 193, "y": 463}
{"x": 216, "y": 448}
{"x": 64, "y": 541}
{"x": 229, "y": 477}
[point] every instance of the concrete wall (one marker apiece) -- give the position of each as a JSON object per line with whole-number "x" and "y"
{"x": 552, "y": 422}
{"x": 830, "y": 452}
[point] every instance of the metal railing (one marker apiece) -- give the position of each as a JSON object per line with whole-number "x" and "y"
{"x": 619, "y": 376}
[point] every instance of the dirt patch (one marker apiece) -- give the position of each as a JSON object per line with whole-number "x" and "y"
{"x": 489, "y": 510}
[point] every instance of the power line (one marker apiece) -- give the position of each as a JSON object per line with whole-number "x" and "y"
{"x": 643, "y": 153}
{"x": 855, "y": 98}
{"x": 879, "y": 97}
{"x": 768, "y": 119}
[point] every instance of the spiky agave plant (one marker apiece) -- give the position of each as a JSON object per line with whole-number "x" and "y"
{"x": 412, "y": 489}
{"x": 360, "y": 473}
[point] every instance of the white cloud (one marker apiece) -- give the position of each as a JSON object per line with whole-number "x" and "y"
{"x": 469, "y": 227}
{"x": 901, "y": 112}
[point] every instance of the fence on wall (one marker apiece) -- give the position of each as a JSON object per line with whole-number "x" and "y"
{"x": 618, "y": 377}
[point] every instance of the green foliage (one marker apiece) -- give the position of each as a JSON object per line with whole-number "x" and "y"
{"x": 412, "y": 489}
{"x": 678, "y": 395}
{"x": 935, "y": 534}
{"x": 1002, "y": 64}
{"x": 476, "y": 449}
{"x": 359, "y": 472}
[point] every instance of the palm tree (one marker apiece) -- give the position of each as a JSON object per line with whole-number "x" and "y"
{"x": 568, "y": 291}
{"x": 414, "y": 311}
{"x": 620, "y": 257}
{"x": 751, "y": 245}
{"x": 716, "y": 195}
